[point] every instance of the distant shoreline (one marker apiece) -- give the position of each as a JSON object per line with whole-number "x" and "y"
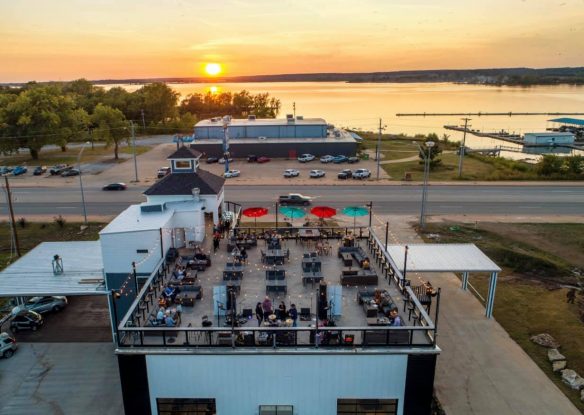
{"x": 496, "y": 77}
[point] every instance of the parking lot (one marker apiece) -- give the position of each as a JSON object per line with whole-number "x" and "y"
{"x": 272, "y": 172}
{"x": 85, "y": 319}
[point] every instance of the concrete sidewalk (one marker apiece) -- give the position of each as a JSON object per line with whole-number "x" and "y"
{"x": 481, "y": 370}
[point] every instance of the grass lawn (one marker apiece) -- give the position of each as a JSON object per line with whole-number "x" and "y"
{"x": 475, "y": 167}
{"x": 48, "y": 158}
{"x": 529, "y": 299}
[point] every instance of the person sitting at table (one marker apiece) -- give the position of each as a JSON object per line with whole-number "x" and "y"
{"x": 170, "y": 322}
{"x": 281, "y": 312}
{"x": 394, "y": 318}
{"x": 160, "y": 315}
{"x": 180, "y": 274}
{"x": 377, "y": 297}
{"x": 243, "y": 255}
{"x": 366, "y": 264}
{"x": 267, "y": 307}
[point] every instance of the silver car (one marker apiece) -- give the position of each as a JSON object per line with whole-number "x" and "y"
{"x": 7, "y": 345}
{"x": 46, "y": 304}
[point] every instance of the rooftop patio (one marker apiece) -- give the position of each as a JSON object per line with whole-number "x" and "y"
{"x": 350, "y": 319}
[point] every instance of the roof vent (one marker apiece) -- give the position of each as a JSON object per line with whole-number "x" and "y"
{"x": 251, "y": 117}
{"x": 288, "y": 116}
{"x": 213, "y": 119}
{"x": 300, "y": 117}
{"x": 196, "y": 193}
{"x": 57, "y": 265}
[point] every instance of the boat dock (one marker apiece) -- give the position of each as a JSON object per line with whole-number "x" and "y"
{"x": 500, "y": 135}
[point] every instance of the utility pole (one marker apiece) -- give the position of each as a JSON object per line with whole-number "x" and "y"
{"x": 462, "y": 147}
{"x": 378, "y": 150}
{"x": 134, "y": 151}
{"x": 11, "y": 209}
{"x": 294, "y": 108}
{"x": 143, "y": 122}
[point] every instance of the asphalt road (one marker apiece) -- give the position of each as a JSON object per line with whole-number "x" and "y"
{"x": 443, "y": 199}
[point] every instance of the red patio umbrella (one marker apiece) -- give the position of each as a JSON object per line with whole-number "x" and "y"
{"x": 323, "y": 212}
{"x": 255, "y": 212}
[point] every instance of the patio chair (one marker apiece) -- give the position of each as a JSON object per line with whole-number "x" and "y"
{"x": 306, "y": 255}
{"x": 263, "y": 256}
{"x": 313, "y": 255}
{"x": 305, "y": 314}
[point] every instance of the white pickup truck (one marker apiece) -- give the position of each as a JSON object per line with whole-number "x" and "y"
{"x": 361, "y": 174}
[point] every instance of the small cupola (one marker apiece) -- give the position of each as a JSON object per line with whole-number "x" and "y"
{"x": 184, "y": 160}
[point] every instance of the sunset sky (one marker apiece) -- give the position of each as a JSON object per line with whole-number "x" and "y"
{"x": 99, "y": 39}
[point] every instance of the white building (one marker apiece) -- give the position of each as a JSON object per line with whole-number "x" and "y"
{"x": 548, "y": 139}
{"x": 173, "y": 216}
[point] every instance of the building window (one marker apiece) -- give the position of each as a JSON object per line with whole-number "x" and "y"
{"x": 182, "y": 164}
{"x": 179, "y": 406}
{"x": 276, "y": 410}
{"x": 366, "y": 406}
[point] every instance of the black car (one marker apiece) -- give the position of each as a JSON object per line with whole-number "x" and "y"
{"x": 70, "y": 172}
{"x": 211, "y": 160}
{"x": 345, "y": 174}
{"x": 353, "y": 160}
{"x": 115, "y": 186}
{"x": 252, "y": 158}
{"x": 39, "y": 170}
{"x": 26, "y": 320}
{"x": 58, "y": 169}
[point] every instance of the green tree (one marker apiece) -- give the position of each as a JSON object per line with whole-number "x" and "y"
{"x": 130, "y": 104}
{"x": 85, "y": 94}
{"x": 549, "y": 165}
{"x": 434, "y": 153}
{"x": 110, "y": 125}
{"x": 158, "y": 101}
{"x": 41, "y": 115}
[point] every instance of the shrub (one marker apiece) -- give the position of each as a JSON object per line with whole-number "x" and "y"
{"x": 22, "y": 222}
{"x": 60, "y": 221}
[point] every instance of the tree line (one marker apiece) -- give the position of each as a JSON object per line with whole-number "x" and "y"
{"x": 35, "y": 115}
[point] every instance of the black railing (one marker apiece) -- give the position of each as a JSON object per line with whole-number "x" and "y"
{"x": 277, "y": 337}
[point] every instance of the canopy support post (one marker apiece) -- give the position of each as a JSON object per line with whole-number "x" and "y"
{"x": 465, "y": 280}
{"x": 491, "y": 295}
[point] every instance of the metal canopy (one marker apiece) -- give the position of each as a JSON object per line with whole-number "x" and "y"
{"x": 464, "y": 258}
{"x": 442, "y": 258}
{"x": 33, "y": 275}
{"x": 573, "y": 121}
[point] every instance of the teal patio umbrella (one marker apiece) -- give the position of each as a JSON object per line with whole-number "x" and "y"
{"x": 354, "y": 211}
{"x": 292, "y": 212}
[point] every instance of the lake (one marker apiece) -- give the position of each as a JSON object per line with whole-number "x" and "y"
{"x": 361, "y": 105}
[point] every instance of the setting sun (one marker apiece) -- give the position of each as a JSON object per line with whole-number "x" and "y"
{"x": 213, "y": 69}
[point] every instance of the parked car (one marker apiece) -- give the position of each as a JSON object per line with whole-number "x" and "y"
{"x": 26, "y": 320}
{"x": 345, "y": 174}
{"x": 222, "y": 160}
{"x": 361, "y": 174}
{"x": 291, "y": 173}
{"x": 43, "y": 305}
{"x": 294, "y": 199}
{"x": 352, "y": 160}
{"x": 211, "y": 160}
{"x": 340, "y": 159}
{"x": 5, "y": 170}
{"x": 326, "y": 159}
{"x": 58, "y": 169}
{"x": 252, "y": 158}
{"x": 7, "y": 345}
{"x": 115, "y": 186}
{"x": 305, "y": 158}
{"x": 19, "y": 170}
{"x": 263, "y": 159}
{"x": 315, "y": 174}
{"x": 70, "y": 172}
{"x": 163, "y": 171}
{"x": 39, "y": 170}
{"x": 231, "y": 173}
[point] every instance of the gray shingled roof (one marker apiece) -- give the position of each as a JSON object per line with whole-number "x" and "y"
{"x": 185, "y": 153}
{"x": 183, "y": 184}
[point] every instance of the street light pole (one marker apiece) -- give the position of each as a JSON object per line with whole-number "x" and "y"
{"x": 462, "y": 147}
{"x": 81, "y": 183}
{"x": 427, "y": 158}
{"x": 134, "y": 151}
